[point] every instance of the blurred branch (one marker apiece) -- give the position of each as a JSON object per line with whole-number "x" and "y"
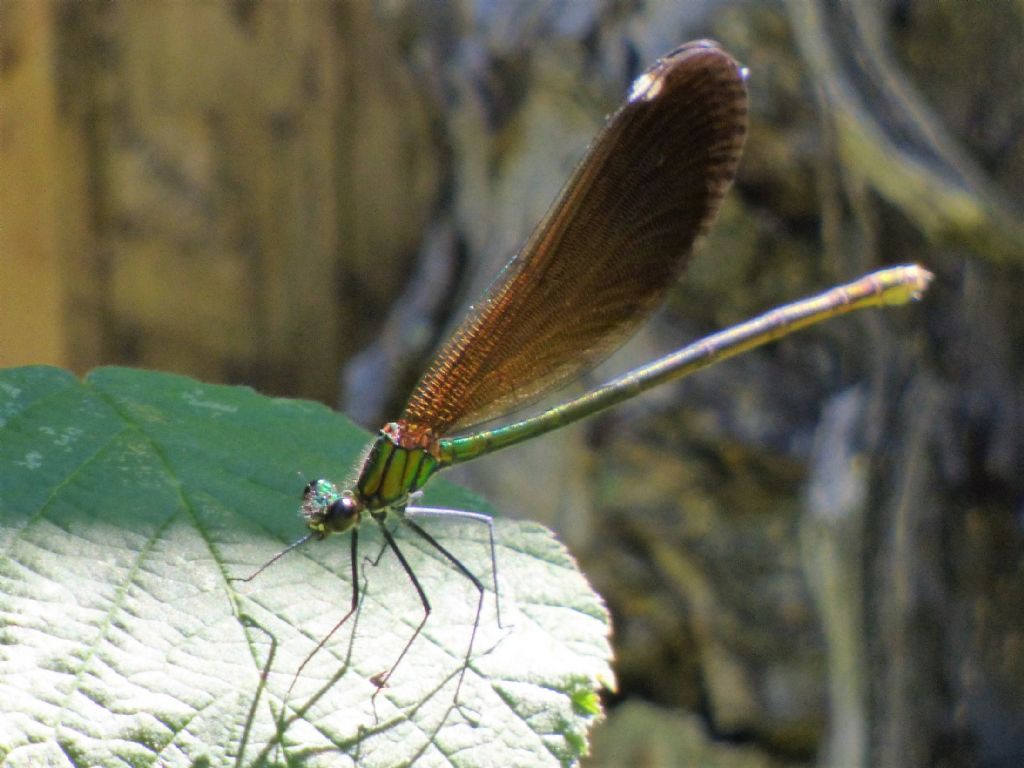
{"x": 888, "y": 135}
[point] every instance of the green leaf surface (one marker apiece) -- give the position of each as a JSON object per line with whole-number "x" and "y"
{"x": 129, "y": 501}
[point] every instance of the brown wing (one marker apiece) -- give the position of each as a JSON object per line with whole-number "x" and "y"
{"x": 619, "y": 235}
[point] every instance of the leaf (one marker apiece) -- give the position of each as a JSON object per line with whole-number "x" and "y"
{"x": 129, "y": 501}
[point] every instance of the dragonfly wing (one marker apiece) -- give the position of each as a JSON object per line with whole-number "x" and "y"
{"x": 617, "y": 238}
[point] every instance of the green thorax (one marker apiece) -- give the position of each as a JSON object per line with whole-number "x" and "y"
{"x": 399, "y": 462}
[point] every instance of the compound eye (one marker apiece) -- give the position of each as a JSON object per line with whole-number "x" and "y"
{"x": 341, "y": 515}
{"x": 337, "y": 510}
{"x": 340, "y": 509}
{"x": 310, "y": 488}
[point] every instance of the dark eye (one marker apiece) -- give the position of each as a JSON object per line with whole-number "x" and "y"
{"x": 340, "y": 509}
{"x": 309, "y": 488}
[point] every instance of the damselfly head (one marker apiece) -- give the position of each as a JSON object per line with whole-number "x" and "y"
{"x": 327, "y": 509}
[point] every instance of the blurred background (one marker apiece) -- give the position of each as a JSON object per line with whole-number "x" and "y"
{"x": 814, "y": 554}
